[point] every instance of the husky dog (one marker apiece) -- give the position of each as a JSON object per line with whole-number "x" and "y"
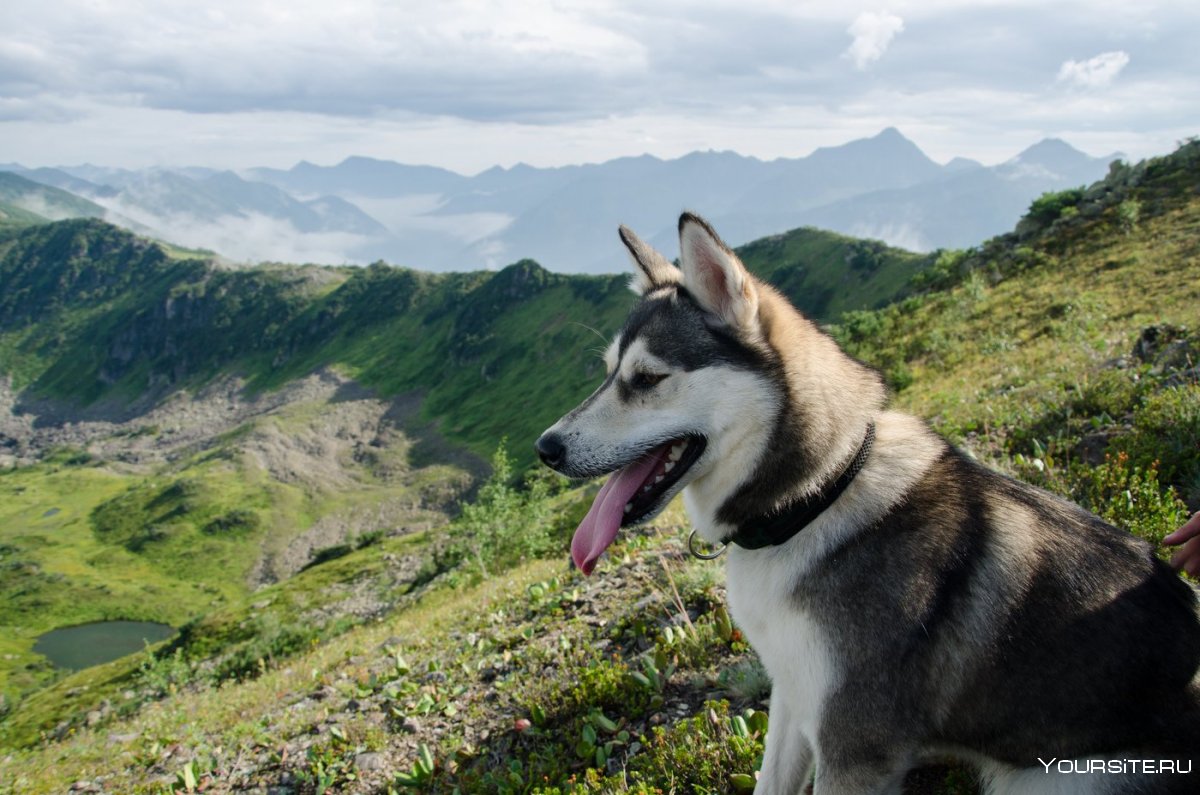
{"x": 907, "y": 603}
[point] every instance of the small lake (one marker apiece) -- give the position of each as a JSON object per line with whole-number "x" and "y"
{"x": 86, "y": 645}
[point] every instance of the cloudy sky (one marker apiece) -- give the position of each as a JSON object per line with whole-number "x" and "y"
{"x": 466, "y": 84}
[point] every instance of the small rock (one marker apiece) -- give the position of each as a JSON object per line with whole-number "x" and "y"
{"x": 370, "y": 761}
{"x": 121, "y": 739}
{"x": 411, "y": 725}
{"x": 1154, "y": 338}
{"x": 94, "y": 717}
{"x": 1179, "y": 355}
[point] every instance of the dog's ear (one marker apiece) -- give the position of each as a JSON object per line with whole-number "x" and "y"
{"x": 653, "y": 270}
{"x": 714, "y": 275}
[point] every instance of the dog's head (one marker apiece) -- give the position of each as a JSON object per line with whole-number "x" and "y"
{"x": 686, "y": 388}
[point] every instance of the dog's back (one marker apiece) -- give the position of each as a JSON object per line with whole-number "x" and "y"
{"x": 991, "y": 618}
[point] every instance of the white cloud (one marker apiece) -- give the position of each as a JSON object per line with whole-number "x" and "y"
{"x": 467, "y": 84}
{"x": 1097, "y": 72}
{"x": 872, "y": 33}
{"x": 248, "y": 238}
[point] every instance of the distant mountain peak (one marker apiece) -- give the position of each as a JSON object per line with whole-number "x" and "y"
{"x": 963, "y": 164}
{"x": 1051, "y": 151}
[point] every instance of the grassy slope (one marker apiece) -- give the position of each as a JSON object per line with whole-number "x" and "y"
{"x": 1026, "y": 361}
{"x": 14, "y": 217}
{"x": 1056, "y": 326}
{"x": 46, "y": 200}
{"x": 825, "y": 274}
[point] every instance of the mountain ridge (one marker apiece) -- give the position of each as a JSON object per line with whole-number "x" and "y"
{"x": 438, "y": 219}
{"x": 181, "y": 320}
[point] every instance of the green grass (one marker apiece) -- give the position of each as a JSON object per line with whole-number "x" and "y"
{"x": 82, "y": 542}
{"x": 57, "y": 574}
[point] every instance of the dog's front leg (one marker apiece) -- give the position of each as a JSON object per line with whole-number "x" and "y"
{"x": 788, "y": 761}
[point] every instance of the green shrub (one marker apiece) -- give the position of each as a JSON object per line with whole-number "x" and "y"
{"x": 326, "y": 554}
{"x": 239, "y": 520}
{"x": 505, "y": 525}
{"x": 1128, "y": 213}
{"x": 1166, "y": 429}
{"x": 1110, "y": 392}
{"x": 946, "y": 271}
{"x": 269, "y": 640}
{"x": 368, "y": 539}
{"x": 1130, "y": 497}
{"x": 166, "y": 672}
{"x": 700, "y": 754}
{"x": 1046, "y": 208}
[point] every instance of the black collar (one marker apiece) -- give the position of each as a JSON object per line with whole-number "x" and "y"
{"x": 775, "y": 529}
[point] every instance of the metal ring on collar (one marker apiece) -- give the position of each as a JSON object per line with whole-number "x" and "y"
{"x": 703, "y": 555}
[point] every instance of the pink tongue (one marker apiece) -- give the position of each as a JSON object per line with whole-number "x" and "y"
{"x": 599, "y": 528}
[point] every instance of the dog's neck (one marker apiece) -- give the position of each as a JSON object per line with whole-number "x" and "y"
{"x": 775, "y": 528}
{"x": 826, "y": 401}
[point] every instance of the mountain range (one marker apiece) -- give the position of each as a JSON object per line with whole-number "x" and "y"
{"x": 363, "y": 209}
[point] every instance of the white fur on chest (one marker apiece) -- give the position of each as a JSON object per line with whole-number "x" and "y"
{"x": 792, "y": 646}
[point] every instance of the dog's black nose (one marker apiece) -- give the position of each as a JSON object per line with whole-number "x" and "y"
{"x": 550, "y": 449}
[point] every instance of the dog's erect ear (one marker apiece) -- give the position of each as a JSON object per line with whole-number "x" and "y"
{"x": 714, "y": 275}
{"x": 653, "y": 270}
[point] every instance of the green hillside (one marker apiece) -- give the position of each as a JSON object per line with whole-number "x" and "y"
{"x": 89, "y": 311}
{"x": 462, "y": 652}
{"x": 12, "y": 216}
{"x": 43, "y": 201}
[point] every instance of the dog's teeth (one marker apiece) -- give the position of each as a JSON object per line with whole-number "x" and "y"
{"x": 628, "y": 507}
{"x": 670, "y": 465}
{"x": 647, "y": 488}
{"x": 658, "y": 479}
{"x": 677, "y": 451}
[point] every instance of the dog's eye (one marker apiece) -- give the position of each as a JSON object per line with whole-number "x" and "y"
{"x": 646, "y": 380}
